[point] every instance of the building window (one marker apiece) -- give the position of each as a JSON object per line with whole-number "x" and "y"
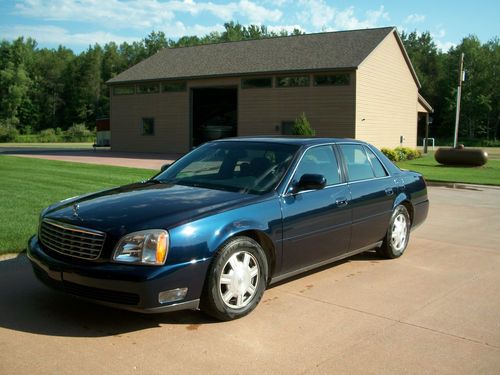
{"x": 294, "y": 81}
{"x": 335, "y": 79}
{"x": 123, "y": 90}
{"x": 287, "y": 127}
{"x": 174, "y": 86}
{"x": 256, "y": 83}
{"x": 148, "y": 88}
{"x": 148, "y": 126}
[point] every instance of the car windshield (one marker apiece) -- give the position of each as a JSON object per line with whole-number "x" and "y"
{"x": 245, "y": 167}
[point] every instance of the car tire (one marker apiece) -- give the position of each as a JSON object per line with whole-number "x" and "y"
{"x": 236, "y": 280}
{"x": 398, "y": 234}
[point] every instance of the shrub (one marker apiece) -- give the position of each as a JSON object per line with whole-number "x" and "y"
{"x": 47, "y": 135}
{"x": 78, "y": 133}
{"x": 401, "y": 153}
{"x": 302, "y": 126}
{"x": 8, "y": 131}
{"x": 406, "y": 153}
{"x": 391, "y": 154}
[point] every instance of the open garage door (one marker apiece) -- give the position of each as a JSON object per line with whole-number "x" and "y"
{"x": 214, "y": 114}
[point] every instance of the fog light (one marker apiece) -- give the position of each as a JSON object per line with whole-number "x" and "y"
{"x": 172, "y": 295}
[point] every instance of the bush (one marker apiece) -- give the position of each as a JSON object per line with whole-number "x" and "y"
{"x": 8, "y": 131}
{"x": 78, "y": 133}
{"x": 47, "y": 135}
{"x": 302, "y": 126}
{"x": 401, "y": 153}
{"x": 391, "y": 154}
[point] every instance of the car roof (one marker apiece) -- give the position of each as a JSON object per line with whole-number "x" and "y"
{"x": 288, "y": 139}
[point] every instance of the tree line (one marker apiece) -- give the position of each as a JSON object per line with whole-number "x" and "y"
{"x": 43, "y": 88}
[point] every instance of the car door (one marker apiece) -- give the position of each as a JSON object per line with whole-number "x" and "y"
{"x": 316, "y": 223}
{"x": 372, "y": 195}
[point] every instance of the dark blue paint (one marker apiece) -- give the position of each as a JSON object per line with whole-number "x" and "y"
{"x": 304, "y": 229}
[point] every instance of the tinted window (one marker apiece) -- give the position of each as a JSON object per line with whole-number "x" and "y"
{"x": 149, "y": 88}
{"x": 254, "y": 83}
{"x": 336, "y": 79}
{"x": 319, "y": 160}
{"x": 174, "y": 86}
{"x": 358, "y": 165}
{"x": 123, "y": 90}
{"x": 148, "y": 126}
{"x": 245, "y": 167}
{"x": 294, "y": 81}
{"x": 378, "y": 168}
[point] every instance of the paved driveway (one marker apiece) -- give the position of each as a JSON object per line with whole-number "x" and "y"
{"x": 436, "y": 310}
{"x": 100, "y": 156}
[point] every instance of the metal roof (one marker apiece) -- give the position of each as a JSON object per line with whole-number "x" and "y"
{"x": 309, "y": 52}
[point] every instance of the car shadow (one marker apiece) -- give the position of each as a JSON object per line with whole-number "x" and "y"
{"x": 29, "y": 306}
{"x": 367, "y": 256}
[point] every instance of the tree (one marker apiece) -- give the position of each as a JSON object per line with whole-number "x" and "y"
{"x": 302, "y": 126}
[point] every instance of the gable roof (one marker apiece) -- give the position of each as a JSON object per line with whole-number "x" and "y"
{"x": 308, "y": 52}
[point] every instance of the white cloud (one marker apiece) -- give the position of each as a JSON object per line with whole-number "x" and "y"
{"x": 444, "y": 46}
{"x": 289, "y": 28}
{"x": 414, "y": 18}
{"x": 325, "y": 17}
{"x": 316, "y": 12}
{"x": 58, "y": 35}
{"x": 347, "y": 20}
{"x": 141, "y": 13}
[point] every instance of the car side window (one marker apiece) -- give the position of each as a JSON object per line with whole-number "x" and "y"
{"x": 378, "y": 168}
{"x": 358, "y": 165}
{"x": 319, "y": 160}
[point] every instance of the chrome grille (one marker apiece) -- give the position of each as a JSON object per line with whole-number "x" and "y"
{"x": 71, "y": 240}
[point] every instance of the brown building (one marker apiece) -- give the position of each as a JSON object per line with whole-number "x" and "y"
{"x": 357, "y": 84}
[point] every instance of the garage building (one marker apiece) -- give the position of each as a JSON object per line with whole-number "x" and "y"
{"x": 357, "y": 84}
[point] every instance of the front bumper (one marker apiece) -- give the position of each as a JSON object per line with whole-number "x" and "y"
{"x": 130, "y": 287}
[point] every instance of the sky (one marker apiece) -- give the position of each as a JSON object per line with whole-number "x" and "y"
{"x": 77, "y": 24}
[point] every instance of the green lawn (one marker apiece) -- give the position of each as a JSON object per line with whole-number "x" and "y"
{"x": 488, "y": 174}
{"x": 28, "y": 185}
{"x": 64, "y": 145}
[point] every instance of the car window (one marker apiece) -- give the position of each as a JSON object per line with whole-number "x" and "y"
{"x": 358, "y": 165}
{"x": 245, "y": 167}
{"x": 378, "y": 168}
{"x": 319, "y": 160}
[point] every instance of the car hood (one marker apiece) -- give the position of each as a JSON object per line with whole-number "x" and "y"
{"x": 142, "y": 206}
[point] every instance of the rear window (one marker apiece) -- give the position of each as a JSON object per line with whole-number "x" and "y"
{"x": 358, "y": 165}
{"x": 378, "y": 168}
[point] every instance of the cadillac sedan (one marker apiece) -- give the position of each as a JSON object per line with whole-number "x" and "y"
{"x": 214, "y": 229}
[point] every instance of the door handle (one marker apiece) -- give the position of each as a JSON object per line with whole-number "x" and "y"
{"x": 341, "y": 202}
{"x": 389, "y": 191}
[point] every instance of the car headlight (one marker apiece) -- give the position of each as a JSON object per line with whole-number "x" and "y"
{"x": 144, "y": 247}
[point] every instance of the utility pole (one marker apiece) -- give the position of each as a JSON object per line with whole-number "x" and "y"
{"x": 459, "y": 95}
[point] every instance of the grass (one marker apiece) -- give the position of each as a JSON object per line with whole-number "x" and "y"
{"x": 488, "y": 174}
{"x": 47, "y": 145}
{"x": 28, "y": 185}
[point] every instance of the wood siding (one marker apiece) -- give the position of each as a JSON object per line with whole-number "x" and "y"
{"x": 330, "y": 109}
{"x": 386, "y": 97}
{"x": 170, "y": 111}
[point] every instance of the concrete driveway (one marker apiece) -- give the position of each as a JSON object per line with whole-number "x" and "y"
{"x": 100, "y": 156}
{"x": 435, "y": 310}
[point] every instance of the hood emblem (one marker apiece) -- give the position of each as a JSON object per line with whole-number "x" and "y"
{"x": 76, "y": 206}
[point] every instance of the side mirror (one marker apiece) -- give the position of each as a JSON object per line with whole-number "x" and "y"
{"x": 165, "y": 166}
{"x": 310, "y": 182}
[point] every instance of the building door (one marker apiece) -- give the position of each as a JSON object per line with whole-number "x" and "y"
{"x": 214, "y": 114}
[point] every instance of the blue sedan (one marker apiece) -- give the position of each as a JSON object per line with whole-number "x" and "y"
{"x": 214, "y": 229}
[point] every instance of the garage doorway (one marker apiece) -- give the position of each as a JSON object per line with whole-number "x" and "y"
{"x": 214, "y": 114}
